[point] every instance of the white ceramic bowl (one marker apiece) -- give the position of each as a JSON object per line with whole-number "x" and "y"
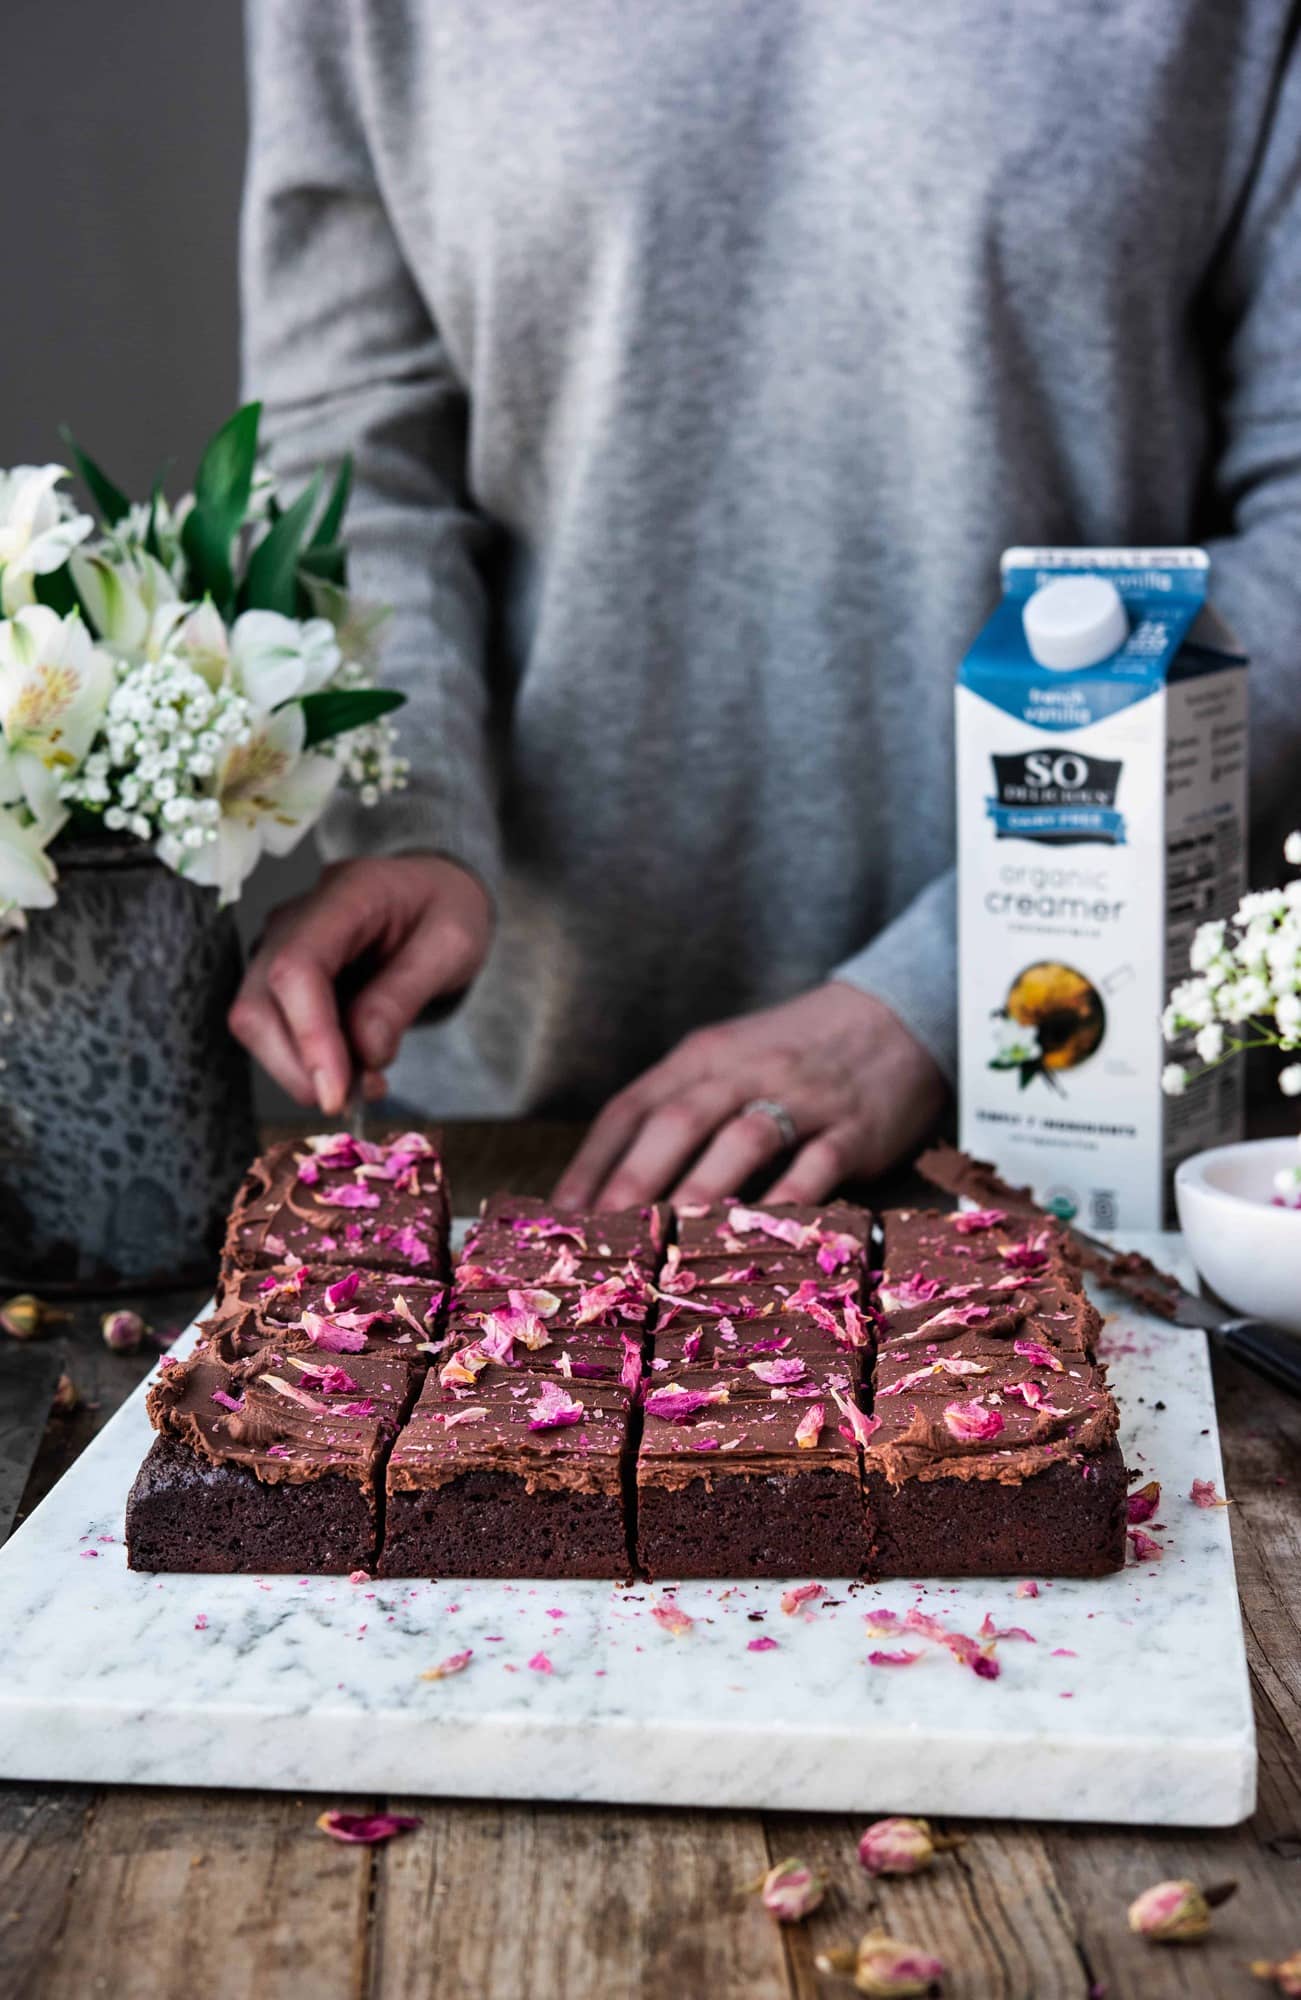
{"x": 1246, "y": 1247}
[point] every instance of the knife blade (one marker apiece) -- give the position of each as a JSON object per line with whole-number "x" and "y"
{"x": 28, "y": 1379}
{"x": 1270, "y": 1350}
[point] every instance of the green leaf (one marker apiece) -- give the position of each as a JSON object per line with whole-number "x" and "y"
{"x": 221, "y": 491}
{"x": 335, "y": 710}
{"x": 327, "y": 528}
{"x": 270, "y": 582}
{"x": 110, "y": 499}
{"x": 152, "y": 545}
{"x": 58, "y": 590}
{"x": 225, "y": 477}
{"x": 206, "y": 548}
{"x": 326, "y": 561}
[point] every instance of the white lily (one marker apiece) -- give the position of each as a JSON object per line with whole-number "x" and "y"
{"x": 38, "y": 531}
{"x": 54, "y": 685}
{"x": 274, "y": 659}
{"x": 203, "y": 642}
{"x": 27, "y": 875}
{"x": 271, "y": 792}
{"x": 130, "y": 598}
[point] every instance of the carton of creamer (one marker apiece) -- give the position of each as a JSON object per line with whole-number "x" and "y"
{"x": 1102, "y": 814}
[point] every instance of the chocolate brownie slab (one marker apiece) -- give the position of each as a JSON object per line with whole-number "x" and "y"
{"x": 993, "y": 1446}
{"x": 283, "y": 1295}
{"x": 518, "y": 1476}
{"x": 947, "y": 1275}
{"x": 739, "y": 1478}
{"x": 343, "y": 1202}
{"x": 266, "y": 1464}
{"x": 823, "y": 1338}
{"x": 516, "y": 1233}
{"x": 235, "y": 1332}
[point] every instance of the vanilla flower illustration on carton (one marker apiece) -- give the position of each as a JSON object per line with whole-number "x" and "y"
{"x": 195, "y": 676}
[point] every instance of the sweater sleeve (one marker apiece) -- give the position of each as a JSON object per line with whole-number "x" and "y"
{"x": 342, "y": 350}
{"x": 1253, "y": 335}
{"x": 913, "y": 966}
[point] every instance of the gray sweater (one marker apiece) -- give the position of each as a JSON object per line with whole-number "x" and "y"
{"x": 699, "y": 357}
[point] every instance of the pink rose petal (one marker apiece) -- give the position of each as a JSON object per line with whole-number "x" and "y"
{"x": 670, "y": 1617}
{"x": 968, "y": 1221}
{"x": 1038, "y": 1355}
{"x": 858, "y": 1428}
{"x": 972, "y": 1423}
{"x": 804, "y": 1593}
{"x": 809, "y": 1428}
{"x": 353, "y": 1194}
{"x": 1145, "y": 1549}
{"x": 777, "y": 1372}
{"x": 1203, "y": 1494}
{"x": 1141, "y": 1506}
{"x": 541, "y": 1664}
{"x": 903, "y": 1658}
{"x": 343, "y": 1291}
{"x": 552, "y": 1408}
{"x": 366, "y": 1829}
{"x": 455, "y": 1663}
{"x": 764, "y": 1645}
{"x": 674, "y": 1404}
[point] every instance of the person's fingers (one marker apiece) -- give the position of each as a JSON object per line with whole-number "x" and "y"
{"x": 301, "y": 967}
{"x": 439, "y": 956}
{"x": 743, "y": 1145}
{"x": 374, "y": 1085}
{"x": 817, "y": 1167}
{"x": 671, "y": 1136}
{"x": 256, "y": 1021}
{"x": 605, "y": 1143}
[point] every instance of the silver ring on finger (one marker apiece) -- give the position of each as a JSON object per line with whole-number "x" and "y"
{"x": 781, "y": 1117}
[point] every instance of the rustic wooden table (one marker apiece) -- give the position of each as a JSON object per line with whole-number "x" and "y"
{"x": 146, "y": 1895}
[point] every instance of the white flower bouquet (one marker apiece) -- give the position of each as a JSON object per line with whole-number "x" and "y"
{"x": 1244, "y": 993}
{"x": 195, "y": 676}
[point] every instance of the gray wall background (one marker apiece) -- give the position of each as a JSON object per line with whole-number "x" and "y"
{"x": 121, "y": 155}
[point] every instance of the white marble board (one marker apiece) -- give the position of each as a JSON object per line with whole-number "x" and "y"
{"x": 1131, "y": 1706}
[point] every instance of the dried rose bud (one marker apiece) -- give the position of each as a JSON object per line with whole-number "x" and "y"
{"x": 24, "y": 1316}
{"x": 884, "y": 1968}
{"x": 1176, "y": 1912}
{"x": 902, "y": 1846}
{"x": 791, "y": 1890}
{"x": 66, "y": 1396}
{"x": 1285, "y": 1973}
{"x": 123, "y": 1331}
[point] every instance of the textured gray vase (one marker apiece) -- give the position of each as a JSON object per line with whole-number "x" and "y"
{"x": 125, "y": 1109}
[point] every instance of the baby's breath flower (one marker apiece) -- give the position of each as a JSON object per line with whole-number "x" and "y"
{"x": 1289, "y": 1080}
{"x": 1174, "y": 1079}
{"x": 1210, "y": 1042}
{"x": 1292, "y": 850}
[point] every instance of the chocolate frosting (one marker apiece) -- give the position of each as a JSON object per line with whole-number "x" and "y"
{"x": 281, "y": 1295}
{"x": 958, "y": 1295}
{"x": 290, "y": 1425}
{"x": 445, "y": 1436}
{"x": 1126, "y": 1271}
{"x": 295, "y": 1198}
{"x": 752, "y": 1432}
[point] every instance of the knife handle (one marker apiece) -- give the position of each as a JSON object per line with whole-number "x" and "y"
{"x": 1267, "y": 1349}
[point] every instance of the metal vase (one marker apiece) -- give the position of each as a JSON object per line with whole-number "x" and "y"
{"x": 126, "y": 1112}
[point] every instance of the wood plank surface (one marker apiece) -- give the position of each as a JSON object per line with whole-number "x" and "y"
{"x": 165, "y": 1895}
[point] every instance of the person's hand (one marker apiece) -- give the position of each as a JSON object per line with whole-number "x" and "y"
{"x": 422, "y": 924}
{"x": 859, "y": 1089}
